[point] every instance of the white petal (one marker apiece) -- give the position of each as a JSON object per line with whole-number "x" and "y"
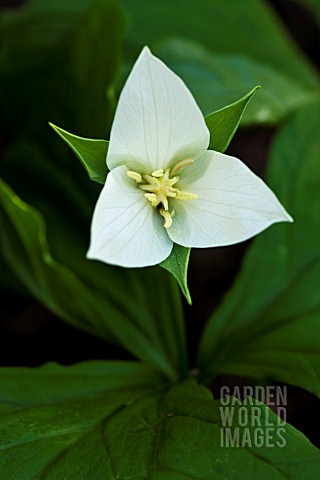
{"x": 233, "y": 204}
{"x": 125, "y": 229}
{"x": 157, "y": 121}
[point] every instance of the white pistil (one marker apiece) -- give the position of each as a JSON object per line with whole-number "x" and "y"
{"x": 165, "y": 203}
{"x": 152, "y": 181}
{"x": 167, "y": 216}
{"x": 159, "y": 188}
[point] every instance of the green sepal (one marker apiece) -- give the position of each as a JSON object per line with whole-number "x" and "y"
{"x": 224, "y": 123}
{"x": 177, "y": 264}
{"x": 92, "y": 153}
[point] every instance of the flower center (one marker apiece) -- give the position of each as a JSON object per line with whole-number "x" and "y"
{"x": 160, "y": 187}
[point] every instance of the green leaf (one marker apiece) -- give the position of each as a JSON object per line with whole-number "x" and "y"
{"x": 268, "y": 324}
{"x": 59, "y": 415}
{"x": 177, "y": 264}
{"x": 217, "y": 80}
{"x": 49, "y": 76}
{"x": 223, "y": 123}
{"x": 118, "y": 421}
{"x": 92, "y": 153}
{"x": 140, "y": 310}
{"x": 64, "y": 66}
{"x": 226, "y": 27}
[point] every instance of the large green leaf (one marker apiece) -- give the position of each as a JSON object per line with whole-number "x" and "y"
{"x": 218, "y": 79}
{"x": 59, "y": 415}
{"x": 61, "y": 70}
{"x": 226, "y": 27}
{"x": 140, "y": 310}
{"x": 269, "y": 323}
{"x": 46, "y": 77}
{"x": 118, "y": 421}
{"x": 49, "y": 77}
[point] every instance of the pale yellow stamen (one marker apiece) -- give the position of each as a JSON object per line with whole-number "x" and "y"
{"x": 152, "y": 197}
{"x": 167, "y": 216}
{"x": 135, "y": 176}
{"x": 160, "y": 188}
{"x": 181, "y": 195}
{"x": 183, "y": 163}
{"x": 158, "y": 173}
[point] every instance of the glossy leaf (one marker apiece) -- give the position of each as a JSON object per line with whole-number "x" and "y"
{"x": 49, "y": 76}
{"x": 186, "y": 420}
{"x": 226, "y": 27}
{"x": 268, "y": 324}
{"x": 140, "y": 310}
{"x": 92, "y": 153}
{"x": 59, "y": 417}
{"x": 118, "y": 421}
{"x": 46, "y": 77}
{"x": 217, "y": 79}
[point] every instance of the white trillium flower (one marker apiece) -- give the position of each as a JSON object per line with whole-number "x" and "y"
{"x": 164, "y": 186}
